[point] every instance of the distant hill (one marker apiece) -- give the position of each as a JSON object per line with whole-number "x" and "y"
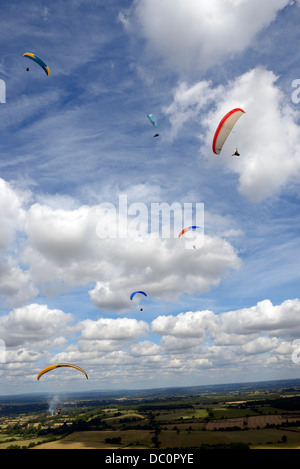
{"x": 287, "y": 385}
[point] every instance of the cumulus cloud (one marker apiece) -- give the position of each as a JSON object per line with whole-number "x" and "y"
{"x": 154, "y": 268}
{"x": 268, "y": 135}
{"x": 199, "y": 34}
{"x": 62, "y": 249}
{"x": 33, "y": 324}
{"x": 190, "y": 324}
{"x": 23, "y": 355}
{"x": 113, "y": 329}
{"x": 11, "y": 212}
{"x": 62, "y": 245}
{"x": 192, "y": 342}
{"x": 263, "y": 328}
{"x": 278, "y": 320}
{"x": 179, "y": 345}
{"x": 52, "y": 250}
{"x": 145, "y": 348}
{"x": 260, "y": 345}
{"x": 16, "y": 286}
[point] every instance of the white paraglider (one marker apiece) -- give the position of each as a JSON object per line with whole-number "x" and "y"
{"x": 224, "y": 128}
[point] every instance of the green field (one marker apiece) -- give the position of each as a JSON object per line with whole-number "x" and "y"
{"x": 183, "y": 420}
{"x": 266, "y": 438}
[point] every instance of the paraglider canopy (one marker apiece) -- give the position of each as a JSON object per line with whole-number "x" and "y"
{"x": 135, "y": 292}
{"x": 153, "y": 121}
{"x": 60, "y": 365}
{"x": 194, "y": 227}
{"x": 224, "y": 128}
{"x": 192, "y": 240}
{"x": 38, "y": 60}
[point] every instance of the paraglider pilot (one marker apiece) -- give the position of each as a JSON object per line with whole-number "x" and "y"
{"x": 236, "y": 153}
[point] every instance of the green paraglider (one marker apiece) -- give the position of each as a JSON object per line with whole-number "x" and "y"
{"x": 153, "y": 121}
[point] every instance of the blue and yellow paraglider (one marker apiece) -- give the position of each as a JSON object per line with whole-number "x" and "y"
{"x": 38, "y": 60}
{"x": 135, "y": 292}
{"x": 153, "y": 121}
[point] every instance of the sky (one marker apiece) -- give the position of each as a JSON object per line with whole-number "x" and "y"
{"x": 84, "y": 185}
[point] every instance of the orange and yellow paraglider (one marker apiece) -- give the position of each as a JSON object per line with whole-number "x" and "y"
{"x": 60, "y": 365}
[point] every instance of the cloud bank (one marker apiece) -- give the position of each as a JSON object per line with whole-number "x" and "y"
{"x": 187, "y": 344}
{"x": 197, "y": 34}
{"x": 50, "y": 250}
{"x": 267, "y": 136}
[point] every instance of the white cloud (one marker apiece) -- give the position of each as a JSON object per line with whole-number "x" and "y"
{"x": 189, "y": 102}
{"x": 260, "y": 345}
{"x": 198, "y": 35}
{"x": 254, "y": 334}
{"x": 61, "y": 249}
{"x": 11, "y": 212}
{"x": 113, "y": 329}
{"x": 33, "y": 324}
{"x": 190, "y": 343}
{"x": 247, "y": 323}
{"x": 178, "y": 345}
{"x": 23, "y": 355}
{"x": 188, "y": 324}
{"x": 154, "y": 268}
{"x": 60, "y": 234}
{"x": 267, "y": 136}
{"x": 15, "y": 284}
{"x": 145, "y": 348}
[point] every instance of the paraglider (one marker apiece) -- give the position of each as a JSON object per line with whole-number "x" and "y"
{"x": 224, "y": 128}
{"x": 60, "y": 365}
{"x": 193, "y": 237}
{"x": 135, "y": 292}
{"x": 38, "y": 60}
{"x": 153, "y": 121}
{"x": 194, "y": 227}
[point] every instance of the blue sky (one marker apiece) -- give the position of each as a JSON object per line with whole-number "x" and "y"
{"x": 80, "y": 138}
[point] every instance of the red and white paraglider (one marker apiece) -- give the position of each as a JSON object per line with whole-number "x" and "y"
{"x": 224, "y": 128}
